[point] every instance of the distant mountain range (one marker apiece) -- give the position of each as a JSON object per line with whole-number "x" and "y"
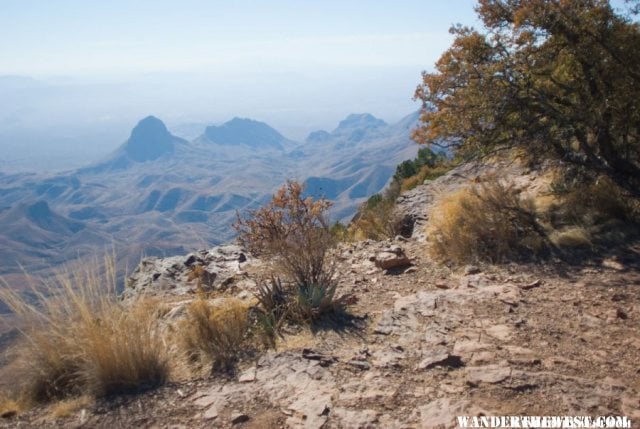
{"x": 159, "y": 194}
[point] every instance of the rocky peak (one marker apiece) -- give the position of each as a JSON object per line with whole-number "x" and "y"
{"x": 360, "y": 121}
{"x": 320, "y": 136}
{"x": 149, "y": 140}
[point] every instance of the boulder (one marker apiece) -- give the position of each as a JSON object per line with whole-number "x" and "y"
{"x": 392, "y": 257}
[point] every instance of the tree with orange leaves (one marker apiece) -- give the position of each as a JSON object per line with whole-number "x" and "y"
{"x": 560, "y": 78}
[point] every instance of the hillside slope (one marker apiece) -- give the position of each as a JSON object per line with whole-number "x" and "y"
{"x": 427, "y": 343}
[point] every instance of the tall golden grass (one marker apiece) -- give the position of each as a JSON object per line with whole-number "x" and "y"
{"x": 78, "y": 338}
{"x": 376, "y": 221}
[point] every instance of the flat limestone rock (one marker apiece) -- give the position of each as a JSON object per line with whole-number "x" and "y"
{"x": 355, "y": 418}
{"x": 487, "y": 374}
{"x": 500, "y": 332}
{"x": 439, "y": 357}
{"x": 465, "y": 347}
{"x": 211, "y": 413}
{"x": 310, "y": 410}
{"x": 248, "y": 376}
{"x": 385, "y": 325}
{"x": 206, "y": 401}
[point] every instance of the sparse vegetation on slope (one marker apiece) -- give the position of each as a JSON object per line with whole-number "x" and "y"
{"x": 555, "y": 81}
{"x": 376, "y": 218}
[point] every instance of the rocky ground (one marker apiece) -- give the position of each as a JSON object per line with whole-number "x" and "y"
{"x": 427, "y": 343}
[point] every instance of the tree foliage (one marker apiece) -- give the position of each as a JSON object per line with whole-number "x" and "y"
{"x": 411, "y": 167}
{"x": 558, "y": 77}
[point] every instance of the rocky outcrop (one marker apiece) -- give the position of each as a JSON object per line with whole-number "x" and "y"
{"x": 217, "y": 268}
{"x": 413, "y": 207}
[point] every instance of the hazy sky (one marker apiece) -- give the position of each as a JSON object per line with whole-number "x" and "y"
{"x": 76, "y": 75}
{"x": 39, "y": 37}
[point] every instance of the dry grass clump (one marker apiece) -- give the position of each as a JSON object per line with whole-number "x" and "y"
{"x": 78, "y": 338}
{"x": 376, "y": 221}
{"x": 489, "y": 222}
{"x": 69, "y": 407}
{"x": 411, "y": 182}
{"x": 214, "y": 334}
{"x": 10, "y": 407}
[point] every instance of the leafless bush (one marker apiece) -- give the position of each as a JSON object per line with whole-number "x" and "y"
{"x": 294, "y": 232}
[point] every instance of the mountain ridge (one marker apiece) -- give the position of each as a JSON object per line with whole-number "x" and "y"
{"x": 246, "y": 132}
{"x": 186, "y": 193}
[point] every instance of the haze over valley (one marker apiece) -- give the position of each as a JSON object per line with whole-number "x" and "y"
{"x": 159, "y": 194}
{"x": 243, "y": 97}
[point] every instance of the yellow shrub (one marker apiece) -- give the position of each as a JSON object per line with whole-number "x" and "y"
{"x": 10, "y": 407}
{"x": 69, "y": 407}
{"x": 592, "y": 202}
{"x": 489, "y": 222}
{"x": 411, "y": 182}
{"x": 425, "y": 173}
{"x": 377, "y": 222}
